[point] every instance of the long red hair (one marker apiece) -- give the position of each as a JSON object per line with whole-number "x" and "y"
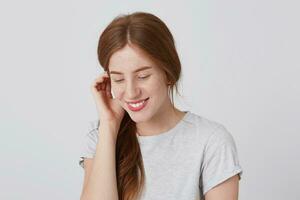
{"x": 147, "y": 32}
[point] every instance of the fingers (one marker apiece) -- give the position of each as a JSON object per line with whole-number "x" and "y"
{"x": 100, "y": 82}
{"x": 108, "y": 89}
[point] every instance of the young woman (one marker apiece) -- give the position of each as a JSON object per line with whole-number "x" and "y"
{"x": 142, "y": 146}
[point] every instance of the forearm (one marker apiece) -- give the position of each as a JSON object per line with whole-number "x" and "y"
{"x": 102, "y": 183}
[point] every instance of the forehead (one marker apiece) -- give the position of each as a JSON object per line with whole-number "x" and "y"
{"x": 129, "y": 59}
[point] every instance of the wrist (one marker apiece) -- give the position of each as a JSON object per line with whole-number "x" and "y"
{"x": 110, "y": 129}
{"x": 111, "y": 125}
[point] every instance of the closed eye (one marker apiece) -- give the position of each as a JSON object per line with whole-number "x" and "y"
{"x": 139, "y": 77}
{"x": 143, "y": 77}
{"x": 118, "y": 80}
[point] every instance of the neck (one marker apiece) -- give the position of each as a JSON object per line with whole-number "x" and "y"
{"x": 161, "y": 122}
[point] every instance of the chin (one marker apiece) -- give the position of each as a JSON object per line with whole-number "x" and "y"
{"x": 138, "y": 117}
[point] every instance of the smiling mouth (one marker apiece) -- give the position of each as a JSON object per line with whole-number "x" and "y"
{"x": 135, "y": 102}
{"x": 137, "y": 105}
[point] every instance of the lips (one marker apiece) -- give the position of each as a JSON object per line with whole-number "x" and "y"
{"x": 137, "y": 105}
{"x": 138, "y": 101}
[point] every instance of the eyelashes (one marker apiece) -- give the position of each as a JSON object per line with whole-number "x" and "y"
{"x": 118, "y": 81}
{"x": 139, "y": 77}
{"x": 143, "y": 77}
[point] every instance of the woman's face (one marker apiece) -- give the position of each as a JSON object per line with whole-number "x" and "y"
{"x": 138, "y": 84}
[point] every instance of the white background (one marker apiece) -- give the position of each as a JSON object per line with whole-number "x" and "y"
{"x": 240, "y": 62}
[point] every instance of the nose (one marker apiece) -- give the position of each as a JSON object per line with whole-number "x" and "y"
{"x": 132, "y": 90}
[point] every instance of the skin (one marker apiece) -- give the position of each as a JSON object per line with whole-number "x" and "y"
{"x": 227, "y": 190}
{"x": 155, "y": 117}
{"x": 128, "y": 82}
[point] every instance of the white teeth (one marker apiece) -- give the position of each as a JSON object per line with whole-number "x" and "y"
{"x": 135, "y": 105}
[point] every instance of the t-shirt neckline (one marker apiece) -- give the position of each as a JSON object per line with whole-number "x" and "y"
{"x": 166, "y": 133}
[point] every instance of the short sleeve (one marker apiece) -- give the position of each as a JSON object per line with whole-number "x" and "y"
{"x": 220, "y": 161}
{"x": 90, "y": 142}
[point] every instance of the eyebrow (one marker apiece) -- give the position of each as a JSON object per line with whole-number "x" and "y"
{"x": 137, "y": 70}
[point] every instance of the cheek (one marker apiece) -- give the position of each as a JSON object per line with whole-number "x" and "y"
{"x": 117, "y": 91}
{"x": 160, "y": 83}
{"x": 157, "y": 87}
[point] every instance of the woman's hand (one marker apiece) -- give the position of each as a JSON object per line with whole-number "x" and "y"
{"x": 109, "y": 110}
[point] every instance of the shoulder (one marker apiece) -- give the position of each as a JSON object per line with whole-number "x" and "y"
{"x": 203, "y": 122}
{"x": 92, "y": 131}
{"x": 208, "y": 130}
{"x": 93, "y": 125}
{"x": 90, "y": 141}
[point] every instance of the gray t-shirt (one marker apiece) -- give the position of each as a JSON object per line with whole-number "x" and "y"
{"x": 183, "y": 163}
